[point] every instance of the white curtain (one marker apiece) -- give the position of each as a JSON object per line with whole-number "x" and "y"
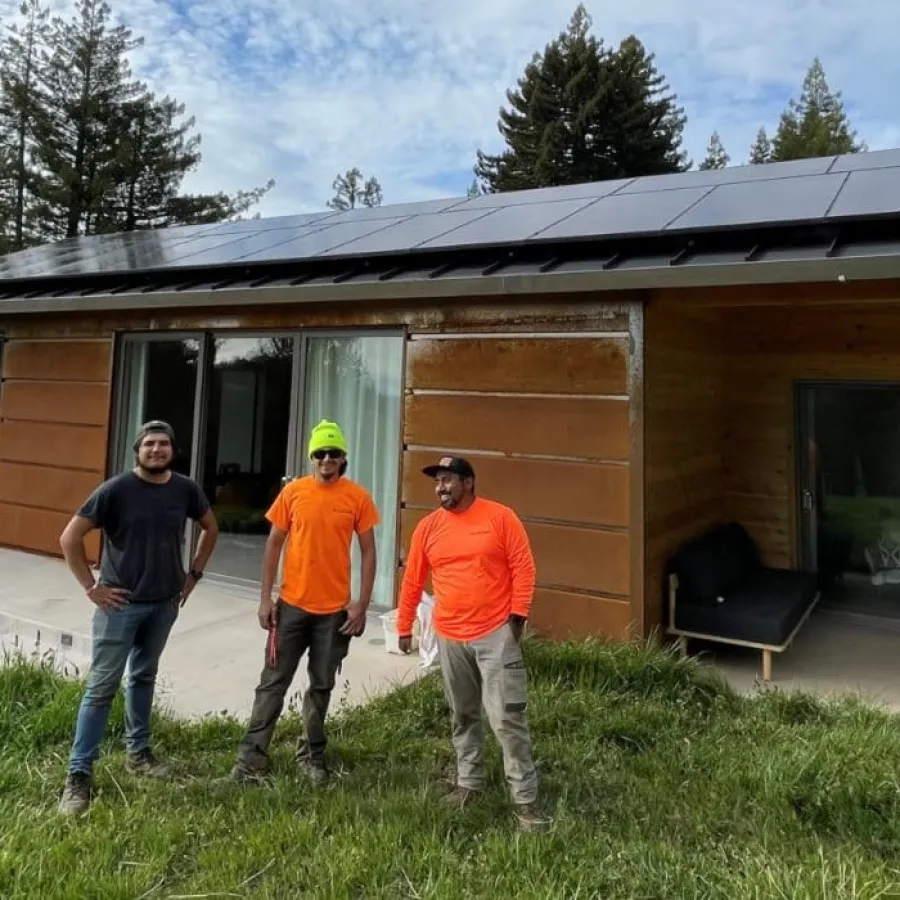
{"x": 357, "y": 382}
{"x": 134, "y": 390}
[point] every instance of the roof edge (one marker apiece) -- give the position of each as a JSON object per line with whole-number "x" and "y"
{"x": 591, "y": 279}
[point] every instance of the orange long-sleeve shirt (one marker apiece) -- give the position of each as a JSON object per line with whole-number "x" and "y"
{"x": 482, "y": 571}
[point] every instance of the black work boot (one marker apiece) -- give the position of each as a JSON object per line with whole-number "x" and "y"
{"x": 76, "y": 796}
{"x": 144, "y": 763}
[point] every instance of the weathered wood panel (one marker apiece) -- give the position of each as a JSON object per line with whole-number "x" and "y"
{"x": 583, "y": 559}
{"x": 64, "y": 403}
{"x": 28, "y": 528}
{"x": 61, "y": 490}
{"x": 535, "y": 426}
{"x": 539, "y": 489}
{"x": 54, "y": 361}
{"x": 54, "y": 412}
{"x": 562, "y": 615}
{"x": 565, "y": 451}
{"x": 684, "y": 435}
{"x": 73, "y": 447}
{"x": 520, "y": 365}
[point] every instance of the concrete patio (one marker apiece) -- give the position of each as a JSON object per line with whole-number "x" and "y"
{"x": 215, "y": 654}
{"x": 216, "y": 651}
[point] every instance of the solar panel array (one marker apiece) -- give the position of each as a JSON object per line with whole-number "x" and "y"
{"x": 828, "y": 189}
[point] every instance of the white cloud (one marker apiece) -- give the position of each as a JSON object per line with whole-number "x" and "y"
{"x": 408, "y": 90}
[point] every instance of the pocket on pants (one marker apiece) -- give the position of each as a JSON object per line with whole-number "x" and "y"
{"x": 513, "y": 676}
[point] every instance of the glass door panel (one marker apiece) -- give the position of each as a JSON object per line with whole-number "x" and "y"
{"x": 357, "y": 381}
{"x": 850, "y": 493}
{"x": 247, "y": 430}
{"x": 158, "y": 380}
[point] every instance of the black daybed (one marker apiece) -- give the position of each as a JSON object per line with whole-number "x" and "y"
{"x": 719, "y": 590}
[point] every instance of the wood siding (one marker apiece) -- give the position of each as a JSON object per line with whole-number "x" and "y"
{"x": 849, "y": 343}
{"x": 536, "y": 393}
{"x": 684, "y": 433}
{"x": 721, "y": 373}
{"x": 54, "y": 410}
{"x": 545, "y": 420}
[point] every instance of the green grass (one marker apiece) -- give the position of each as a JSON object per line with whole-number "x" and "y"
{"x": 663, "y": 782}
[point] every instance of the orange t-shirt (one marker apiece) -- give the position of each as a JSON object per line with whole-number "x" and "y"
{"x": 482, "y": 571}
{"x": 320, "y": 520}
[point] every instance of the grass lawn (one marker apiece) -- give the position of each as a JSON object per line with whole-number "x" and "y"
{"x": 664, "y": 784}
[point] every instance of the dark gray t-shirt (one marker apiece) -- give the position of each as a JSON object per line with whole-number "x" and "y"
{"x": 143, "y": 525}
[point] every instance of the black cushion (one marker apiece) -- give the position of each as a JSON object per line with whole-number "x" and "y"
{"x": 711, "y": 565}
{"x": 763, "y": 610}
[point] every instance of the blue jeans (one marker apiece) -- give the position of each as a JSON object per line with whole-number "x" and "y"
{"x": 137, "y": 635}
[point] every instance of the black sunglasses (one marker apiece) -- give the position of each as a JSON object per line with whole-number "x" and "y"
{"x": 331, "y": 454}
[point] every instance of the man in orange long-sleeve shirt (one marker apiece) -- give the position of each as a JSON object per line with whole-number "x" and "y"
{"x": 483, "y": 576}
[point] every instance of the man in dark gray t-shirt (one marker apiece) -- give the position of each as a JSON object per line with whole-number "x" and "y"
{"x": 142, "y": 516}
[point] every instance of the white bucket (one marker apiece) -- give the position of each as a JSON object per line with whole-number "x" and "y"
{"x": 391, "y": 638}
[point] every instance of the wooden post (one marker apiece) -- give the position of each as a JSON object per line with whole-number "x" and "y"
{"x": 767, "y": 665}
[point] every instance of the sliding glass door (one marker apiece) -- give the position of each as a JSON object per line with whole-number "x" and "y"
{"x": 242, "y": 406}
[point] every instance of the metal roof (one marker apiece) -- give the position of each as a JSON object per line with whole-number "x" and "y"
{"x": 800, "y": 220}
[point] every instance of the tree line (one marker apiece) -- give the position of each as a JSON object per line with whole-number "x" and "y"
{"x": 85, "y": 147}
{"x": 584, "y": 111}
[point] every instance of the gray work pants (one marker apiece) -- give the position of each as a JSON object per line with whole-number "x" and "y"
{"x": 489, "y": 672}
{"x": 298, "y": 632}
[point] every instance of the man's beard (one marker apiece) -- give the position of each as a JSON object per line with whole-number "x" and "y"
{"x": 155, "y": 468}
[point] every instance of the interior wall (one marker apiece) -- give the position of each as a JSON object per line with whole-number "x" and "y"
{"x": 684, "y": 435}
{"x": 54, "y": 410}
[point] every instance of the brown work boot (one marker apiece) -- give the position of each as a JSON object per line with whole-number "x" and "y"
{"x": 145, "y": 764}
{"x": 246, "y": 773}
{"x": 76, "y": 796}
{"x": 459, "y": 797}
{"x": 530, "y": 818}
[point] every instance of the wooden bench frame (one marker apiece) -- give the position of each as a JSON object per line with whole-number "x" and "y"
{"x": 767, "y": 649}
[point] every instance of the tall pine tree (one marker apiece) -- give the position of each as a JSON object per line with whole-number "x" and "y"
{"x": 22, "y": 60}
{"x": 351, "y": 190}
{"x": 88, "y": 83}
{"x": 816, "y": 124}
{"x": 581, "y": 112}
{"x": 761, "y": 151}
{"x": 105, "y": 153}
{"x": 716, "y": 157}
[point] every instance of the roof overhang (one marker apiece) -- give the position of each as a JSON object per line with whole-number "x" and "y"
{"x": 576, "y": 280}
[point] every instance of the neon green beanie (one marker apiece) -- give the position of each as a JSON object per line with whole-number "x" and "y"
{"x": 327, "y": 436}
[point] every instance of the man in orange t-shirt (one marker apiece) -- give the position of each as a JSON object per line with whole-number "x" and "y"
{"x": 483, "y": 576}
{"x": 313, "y": 520}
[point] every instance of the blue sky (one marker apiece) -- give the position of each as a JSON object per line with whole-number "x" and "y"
{"x": 299, "y": 90}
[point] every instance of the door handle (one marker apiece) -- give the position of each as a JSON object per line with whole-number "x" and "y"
{"x": 808, "y": 501}
{"x": 286, "y": 479}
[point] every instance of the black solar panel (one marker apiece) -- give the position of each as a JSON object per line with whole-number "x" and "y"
{"x": 408, "y": 234}
{"x": 876, "y": 159}
{"x": 762, "y": 202}
{"x": 802, "y": 191}
{"x": 624, "y": 214}
{"x": 510, "y": 224}
{"x": 221, "y": 249}
{"x": 731, "y": 175}
{"x": 587, "y": 191}
{"x": 868, "y": 192}
{"x": 395, "y": 210}
{"x": 314, "y": 243}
